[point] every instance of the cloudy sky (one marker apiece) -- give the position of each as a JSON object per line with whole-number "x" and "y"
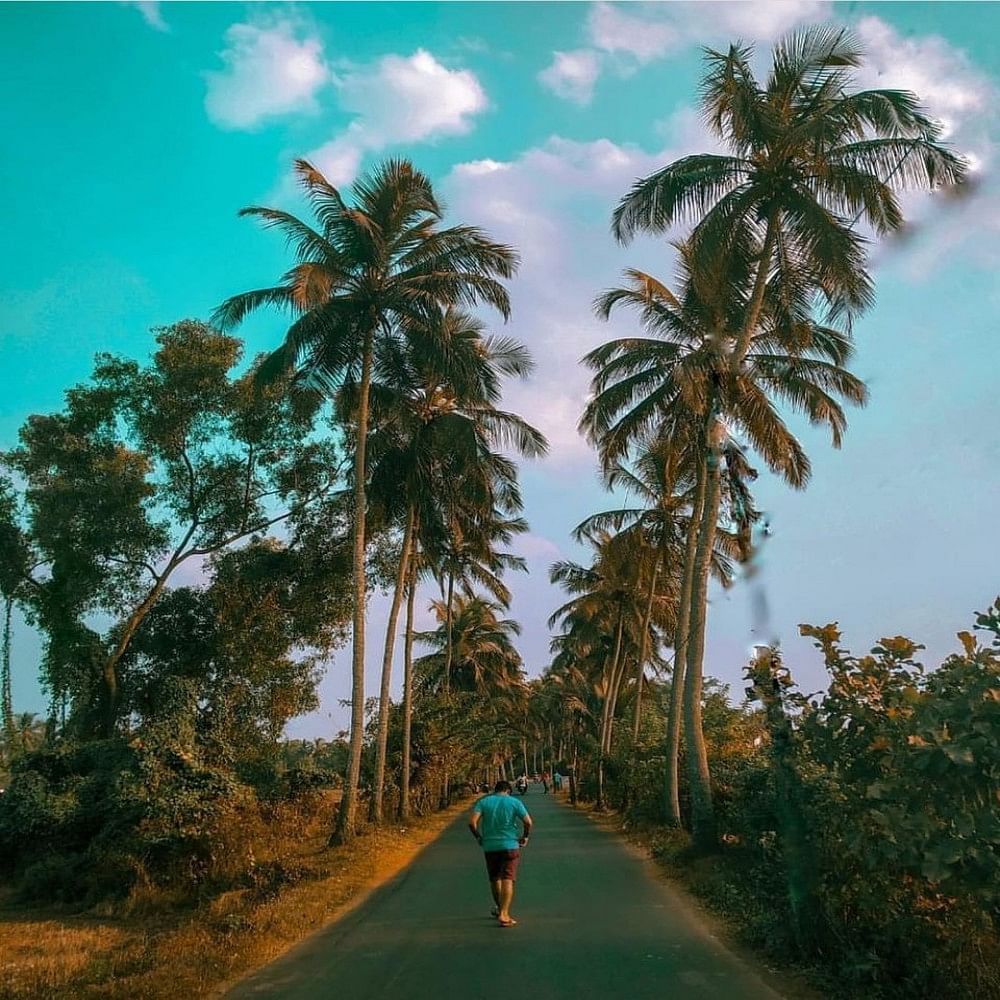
{"x": 133, "y": 133}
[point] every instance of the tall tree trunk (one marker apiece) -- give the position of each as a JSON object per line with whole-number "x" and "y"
{"x": 448, "y": 660}
{"x": 390, "y": 643}
{"x": 346, "y": 817}
{"x": 615, "y": 692}
{"x": 702, "y": 811}
{"x": 109, "y": 671}
{"x": 603, "y": 735}
{"x": 572, "y": 775}
{"x": 449, "y": 649}
{"x": 6, "y": 698}
{"x": 680, "y": 654}
{"x": 404, "y": 777}
{"x": 647, "y": 617}
{"x": 756, "y": 304}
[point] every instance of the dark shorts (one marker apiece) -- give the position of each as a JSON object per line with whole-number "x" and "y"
{"x": 502, "y": 865}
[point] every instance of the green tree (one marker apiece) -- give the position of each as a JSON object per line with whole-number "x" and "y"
{"x": 433, "y": 435}
{"x": 367, "y": 279}
{"x": 775, "y": 224}
{"x": 676, "y": 384}
{"x": 147, "y": 468}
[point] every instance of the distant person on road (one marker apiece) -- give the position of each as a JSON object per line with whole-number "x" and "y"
{"x": 545, "y": 782}
{"x": 502, "y": 826}
{"x": 557, "y": 782}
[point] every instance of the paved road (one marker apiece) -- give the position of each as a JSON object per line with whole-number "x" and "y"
{"x": 593, "y": 923}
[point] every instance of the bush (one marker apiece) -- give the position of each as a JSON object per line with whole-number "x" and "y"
{"x": 80, "y": 820}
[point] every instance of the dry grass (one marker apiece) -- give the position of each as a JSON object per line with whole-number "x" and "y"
{"x": 158, "y": 947}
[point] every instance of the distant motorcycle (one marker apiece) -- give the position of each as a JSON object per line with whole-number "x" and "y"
{"x": 521, "y": 786}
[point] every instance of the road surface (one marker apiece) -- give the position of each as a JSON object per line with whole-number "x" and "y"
{"x": 593, "y": 923}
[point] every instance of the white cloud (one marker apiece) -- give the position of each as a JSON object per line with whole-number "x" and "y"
{"x": 151, "y": 14}
{"x": 612, "y": 30}
{"x": 751, "y": 20}
{"x": 536, "y": 547}
{"x": 954, "y": 91}
{"x": 270, "y": 70}
{"x": 407, "y": 98}
{"x": 572, "y": 75}
{"x": 949, "y": 86}
{"x": 399, "y": 99}
{"x": 622, "y": 38}
{"x": 553, "y": 202}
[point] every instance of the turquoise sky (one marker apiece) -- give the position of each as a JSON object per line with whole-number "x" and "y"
{"x": 133, "y": 133}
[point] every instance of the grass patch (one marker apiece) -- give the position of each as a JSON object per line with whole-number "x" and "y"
{"x": 162, "y": 946}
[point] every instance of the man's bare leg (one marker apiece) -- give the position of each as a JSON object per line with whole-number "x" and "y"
{"x": 506, "y": 898}
{"x": 495, "y": 888}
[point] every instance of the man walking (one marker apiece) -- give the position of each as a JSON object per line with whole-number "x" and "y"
{"x": 494, "y": 823}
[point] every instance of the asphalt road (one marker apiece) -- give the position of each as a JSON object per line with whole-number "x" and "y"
{"x": 593, "y": 922}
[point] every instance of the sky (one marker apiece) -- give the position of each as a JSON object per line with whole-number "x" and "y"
{"x": 134, "y": 132}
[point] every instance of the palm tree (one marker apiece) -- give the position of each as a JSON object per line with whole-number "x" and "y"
{"x": 677, "y": 382}
{"x": 600, "y": 620}
{"x": 808, "y": 159}
{"x": 485, "y": 658}
{"x": 433, "y": 432}
{"x": 364, "y": 284}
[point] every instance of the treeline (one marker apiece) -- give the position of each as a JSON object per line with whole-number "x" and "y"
{"x": 850, "y": 837}
{"x": 194, "y": 538}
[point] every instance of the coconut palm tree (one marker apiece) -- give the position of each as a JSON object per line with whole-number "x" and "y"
{"x": 485, "y": 660}
{"x": 366, "y": 280}
{"x": 601, "y": 620}
{"x": 6, "y": 701}
{"x": 660, "y": 488}
{"x": 677, "y": 382}
{"x": 809, "y": 157}
{"x": 433, "y": 433}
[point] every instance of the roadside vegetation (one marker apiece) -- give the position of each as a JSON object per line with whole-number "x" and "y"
{"x": 857, "y": 831}
{"x": 197, "y": 534}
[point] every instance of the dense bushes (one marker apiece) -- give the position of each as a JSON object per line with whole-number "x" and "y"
{"x": 87, "y": 821}
{"x": 860, "y": 828}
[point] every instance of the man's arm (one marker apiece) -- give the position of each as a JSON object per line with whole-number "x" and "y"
{"x": 474, "y": 824}
{"x": 526, "y": 820}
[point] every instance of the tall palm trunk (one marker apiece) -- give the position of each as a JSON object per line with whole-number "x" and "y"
{"x": 449, "y": 649}
{"x": 6, "y": 700}
{"x": 647, "y": 617}
{"x": 603, "y": 735}
{"x": 390, "y": 643}
{"x": 756, "y": 303}
{"x": 613, "y": 710}
{"x": 680, "y": 654}
{"x": 448, "y": 659}
{"x": 702, "y": 812}
{"x": 346, "y": 826}
{"x": 404, "y": 777}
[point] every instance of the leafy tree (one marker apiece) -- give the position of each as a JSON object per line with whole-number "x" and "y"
{"x": 147, "y": 468}
{"x": 775, "y": 232}
{"x": 364, "y": 286}
{"x": 433, "y": 437}
{"x": 247, "y": 647}
{"x": 675, "y": 386}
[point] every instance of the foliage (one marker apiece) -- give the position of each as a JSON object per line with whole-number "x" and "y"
{"x": 887, "y": 795}
{"x": 145, "y": 469}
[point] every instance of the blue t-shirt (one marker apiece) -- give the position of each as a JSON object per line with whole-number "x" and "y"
{"x": 500, "y": 825}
